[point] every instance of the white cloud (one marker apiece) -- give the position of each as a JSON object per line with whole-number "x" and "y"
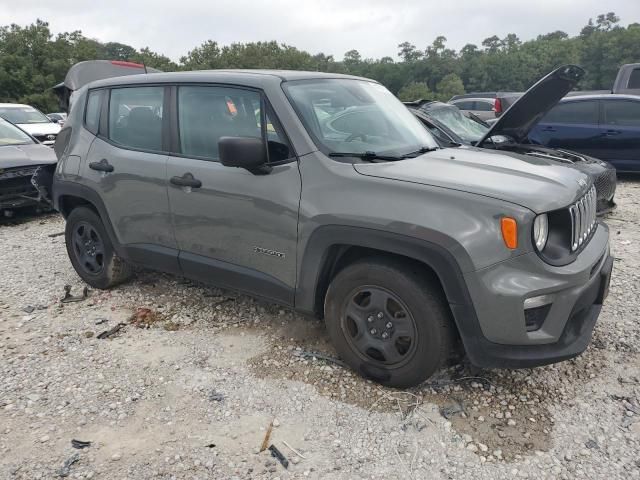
{"x": 373, "y": 27}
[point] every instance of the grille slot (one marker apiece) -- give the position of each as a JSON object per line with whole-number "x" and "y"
{"x": 583, "y": 219}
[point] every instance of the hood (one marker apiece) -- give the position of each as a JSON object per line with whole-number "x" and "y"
{"x": 529, "y": 109}
{"x": 39, "y": 129}
{"x": 26, "y": 156}
{"x": 536, "y": 183}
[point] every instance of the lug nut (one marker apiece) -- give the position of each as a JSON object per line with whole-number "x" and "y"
{"x": 385, "y": 335}
{"x": 380, "y": 314}
{"x": 370, "y": 318}
{"x": 389, "y": 325}
{"x": 373, "y": 331}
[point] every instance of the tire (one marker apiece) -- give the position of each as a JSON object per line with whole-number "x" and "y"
{"x": 91, "y": 251}
{"x": 416, "y": 320}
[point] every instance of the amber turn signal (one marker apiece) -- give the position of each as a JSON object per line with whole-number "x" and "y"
{"x": 509, "y": 229}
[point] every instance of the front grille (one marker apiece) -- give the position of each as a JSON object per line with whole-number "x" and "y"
{"x": 48, "y": 138}
{"x": 583, "y": 219}
{"x": 606, "y": 185}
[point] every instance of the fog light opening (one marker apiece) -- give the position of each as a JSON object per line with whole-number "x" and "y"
{"x": 536, "y": 310}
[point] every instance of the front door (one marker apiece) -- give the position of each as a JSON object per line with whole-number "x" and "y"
{"x": 234, "y": 228}
{"x": 127, "y": 167}
{"x": 621, "y": 133}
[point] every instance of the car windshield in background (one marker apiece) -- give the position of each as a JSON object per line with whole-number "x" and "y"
{"x": 357, "y": 116}
{"x": 23, "y": 115}
{"x": 11, "y": 135}
{"x": 452, "y": 118}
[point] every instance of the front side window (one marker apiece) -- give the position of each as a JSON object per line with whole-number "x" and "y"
{"x": 205, "y": 114}
{"x": 634, "y": 79}
{"x": 23, "y": 115}
{"x": 464, "y": 105}
{"x": 135, "y": 117}
{"x": 12, "y": 135}
{"x": 481, "y": 106}
{"x": 622, "y": 113}
{"x": 585, "y": 112}
{"x": 356, "y": 116}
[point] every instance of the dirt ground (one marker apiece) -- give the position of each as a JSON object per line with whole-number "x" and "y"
{"x": 189, "y": 383}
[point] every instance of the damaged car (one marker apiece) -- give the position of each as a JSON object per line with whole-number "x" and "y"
{"x": 510, "y": 132}
{"x": 26, "y": 170}
{"x": 31, "y": 120}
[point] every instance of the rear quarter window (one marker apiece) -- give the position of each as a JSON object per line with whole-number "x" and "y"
{"x": 634, "y": 79}
{"x": 92, "y": 112}
{"x": 135, "y": 117}
{"x": 584, "y": 112}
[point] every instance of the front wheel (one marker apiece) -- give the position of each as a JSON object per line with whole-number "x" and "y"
{"x": 91, "y": 252}
{"x": 389, "y": 321}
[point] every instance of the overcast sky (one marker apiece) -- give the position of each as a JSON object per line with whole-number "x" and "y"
{"x": 374, "y": 27}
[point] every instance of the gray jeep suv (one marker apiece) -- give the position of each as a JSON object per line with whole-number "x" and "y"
{"x": 242, "y": 179}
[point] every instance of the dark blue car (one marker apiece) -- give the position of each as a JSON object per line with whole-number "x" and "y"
{"x": 605, "y": 126}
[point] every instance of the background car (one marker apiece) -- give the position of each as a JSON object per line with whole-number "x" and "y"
{"x": 509, "y": 133}
{"x": 57, "y": 117}
{"x": 606, "y": 126}
{"x": 32, "y": 121}
{"x": 484, "y": 108}
{"x": 26, "y": 169}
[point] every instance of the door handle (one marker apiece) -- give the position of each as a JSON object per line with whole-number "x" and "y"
{"x": 101, "y": 166}
{"x": 548, "y": 129}
{"x": 610, "y": 133}
{"x": 186, "y": 180}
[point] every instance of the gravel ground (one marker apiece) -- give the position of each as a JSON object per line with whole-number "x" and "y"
{"x": 188, "y": 387}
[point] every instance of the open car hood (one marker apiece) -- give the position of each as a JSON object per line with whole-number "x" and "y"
{"x": 529, "y": 109}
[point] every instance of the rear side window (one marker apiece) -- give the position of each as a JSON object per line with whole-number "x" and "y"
{"x": 573, "y": 112}
{"x": 634, "y": 79}
{"x": 483, "y": 106}
{"x": 92, "y": 113}
{"x": 464, "y": 105}
{"x": 135, "y": 117}
{"x": 622, "y": 113}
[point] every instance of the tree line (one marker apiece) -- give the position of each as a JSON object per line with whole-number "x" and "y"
{"x": 33, "y": 59}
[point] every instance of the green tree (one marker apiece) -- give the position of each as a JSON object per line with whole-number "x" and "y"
{"x": 415, "y": 91}
{"x": 449, "y": 86}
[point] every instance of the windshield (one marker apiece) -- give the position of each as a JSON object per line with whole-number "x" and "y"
{"x": 21, "y": 115}
{"x": 451, "y": 117}
{"x": 356, "y": 116}
{"x": 11, "y": 135}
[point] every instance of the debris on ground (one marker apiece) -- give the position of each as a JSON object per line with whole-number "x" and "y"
{"x": 320, "y": 356}
{"x": 267, "y": 436}
{"x": 449, "y": 411}
{"x": 216, "y": 396}
{"x": 111, "y": 332}
{"x": 68, "y": 298}
{"x": 57, "y": 234}
{"x": 293, "y": 450}
{"x": 100, "y": 321}
{"x": 65, "y": 471}
{"x": 145, "y": 317}
{"x": 80, "y": 444}
{"x": 279, "y": 456}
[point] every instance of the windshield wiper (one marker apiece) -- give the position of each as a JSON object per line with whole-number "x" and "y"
{"x": 371, "y": 156}
{"x": 419, "y": 152}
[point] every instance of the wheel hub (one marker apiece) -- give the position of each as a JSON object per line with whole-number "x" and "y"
{"x": 379, "y": 325}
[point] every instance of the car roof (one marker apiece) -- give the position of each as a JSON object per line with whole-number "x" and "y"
{"x": 256, "y": 78}
{"x": 601, "y": 96}
{"x": 475, "y": 99}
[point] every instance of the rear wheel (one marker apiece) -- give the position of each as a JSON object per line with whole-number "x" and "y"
{"x": 388, "y": 321}
{"x": 91, "y": 252}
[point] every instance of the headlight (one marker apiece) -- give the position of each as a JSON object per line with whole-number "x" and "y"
{"x": 541, "y": 231}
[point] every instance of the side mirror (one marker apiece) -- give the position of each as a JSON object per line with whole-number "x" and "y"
{"x": 244, "y": 152}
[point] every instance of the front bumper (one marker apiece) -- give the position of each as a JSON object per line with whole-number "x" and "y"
{"x": 577, "y": 292}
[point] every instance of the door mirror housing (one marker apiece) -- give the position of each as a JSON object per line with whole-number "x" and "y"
{"x": 244, "y": 152}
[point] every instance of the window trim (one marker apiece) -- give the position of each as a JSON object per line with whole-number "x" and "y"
{"x": 264, "y": 105}
{"x": 104, "y": 119}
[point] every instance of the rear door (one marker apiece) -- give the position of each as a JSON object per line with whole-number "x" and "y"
{"x": 621, "y": 133}
{"x": 572, "y": 125}
{"x": 127, "y": 165}
{"x": 233, "y": 227}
